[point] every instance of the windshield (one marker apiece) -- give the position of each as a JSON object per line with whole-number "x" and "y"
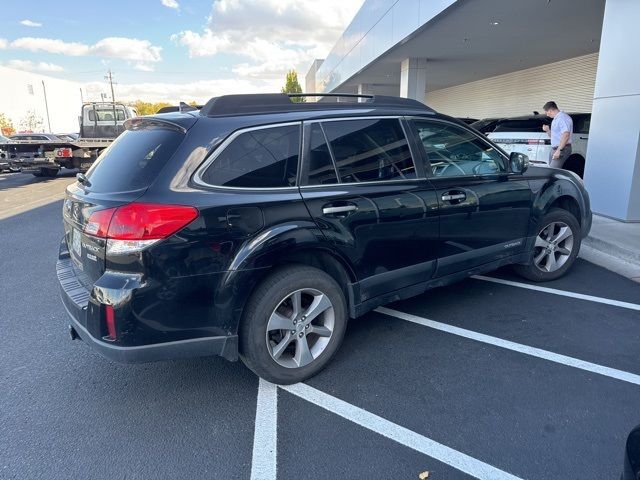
{"x": 481, "y": 124}
{"x": 133, "y": 160}
{"x": 106, "y": 115}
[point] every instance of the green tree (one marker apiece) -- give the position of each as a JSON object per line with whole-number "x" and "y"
{"x": 32, "y": 122}
{"x": 293, "y": 86}
{"x": 148, "y": 108}
{"x": 6, "y": 125}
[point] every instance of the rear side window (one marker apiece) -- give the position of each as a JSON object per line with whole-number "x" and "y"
{"x": 370, "y": 150}
{"x": 528, "y": 125}
{"x": 133, "y": 160}
{"x": 321, "y": 168}
{"x": 581, "y": 123}
{"x": 260, "y": 158}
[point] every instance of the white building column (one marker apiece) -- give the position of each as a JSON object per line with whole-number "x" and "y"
{"x": 612, "y": 173}
{"x": 413, "y": 78}
{"x": 364, "y": 89}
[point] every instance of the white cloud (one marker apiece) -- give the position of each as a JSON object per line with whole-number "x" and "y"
{"x": 143, "y": 67}
{"x": 30, "y": 23}
{"x": 200, "y": 91}
{"x": 202, "y": 45}
{"x": 273, "y": 35}
{"x": 30, "y": 66}
{"x": 171, "y": 4}
{"x": 3, "y": 43}
{"x": 111, "y": 47}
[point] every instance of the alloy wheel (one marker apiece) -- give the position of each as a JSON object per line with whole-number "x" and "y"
{"x": 300, "y": 328}
{"x": 553, "y": 247}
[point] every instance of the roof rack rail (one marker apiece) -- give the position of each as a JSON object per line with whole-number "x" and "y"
{"x": 243, "y": 104}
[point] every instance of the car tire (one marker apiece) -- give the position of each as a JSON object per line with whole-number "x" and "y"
{"x": 556, "y": 247}
{"x": 278, "y": 355}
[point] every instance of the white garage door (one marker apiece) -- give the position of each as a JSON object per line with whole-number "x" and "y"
{"x": 569, "y": 82}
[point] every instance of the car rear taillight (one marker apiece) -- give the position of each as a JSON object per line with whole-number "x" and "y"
{"x": 98, "y": 223}
{"x": 64, "y": 152}
{"x": 110, "y": 320}
{"x": 135, "y": 226}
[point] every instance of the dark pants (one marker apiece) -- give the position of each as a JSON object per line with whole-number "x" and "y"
{"x": 564, "y": 154}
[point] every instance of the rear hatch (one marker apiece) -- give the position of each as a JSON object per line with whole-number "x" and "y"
{"x": 119, "y": 176}
{"x": 523, "y": 136}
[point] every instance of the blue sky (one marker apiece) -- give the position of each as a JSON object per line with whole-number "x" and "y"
{"x": 169, "y": 49}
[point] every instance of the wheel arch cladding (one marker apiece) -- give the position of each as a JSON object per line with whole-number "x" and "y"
{"x": 291, "y": 243}
{"x": 560, "y": 193}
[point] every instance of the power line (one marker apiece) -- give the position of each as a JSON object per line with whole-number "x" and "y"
{"x": 109, "y": 76}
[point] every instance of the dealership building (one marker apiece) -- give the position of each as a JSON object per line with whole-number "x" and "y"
{"x": 493, "y": 58}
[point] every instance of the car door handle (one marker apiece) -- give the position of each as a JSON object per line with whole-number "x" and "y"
{"x": 447, "y": 197}
{"x": 340, "y": 209}
{"x": 584, "y": 138}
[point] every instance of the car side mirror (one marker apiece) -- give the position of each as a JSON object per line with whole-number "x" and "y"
{"x": 518, "y": 162}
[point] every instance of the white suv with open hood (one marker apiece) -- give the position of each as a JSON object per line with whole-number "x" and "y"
{"x": 525, "y": 135}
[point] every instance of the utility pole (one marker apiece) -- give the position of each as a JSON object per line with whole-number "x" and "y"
{"x": 109, "y": 77}
{"x": 46, "y": 105}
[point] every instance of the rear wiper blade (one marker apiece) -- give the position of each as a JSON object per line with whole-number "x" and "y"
{"x": 82, "y": 178}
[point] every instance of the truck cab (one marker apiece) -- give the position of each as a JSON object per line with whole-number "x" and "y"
{"x": 104, "y": 119}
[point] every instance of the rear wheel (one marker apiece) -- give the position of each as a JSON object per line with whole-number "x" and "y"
{"x": 293, "y": 324}
{"x": 555, "y": 249}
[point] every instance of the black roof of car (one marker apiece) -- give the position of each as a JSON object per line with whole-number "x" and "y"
{"x": 256, "y": 109}
{"x": 538, "y": 117}
{"x": 248, "y": 104}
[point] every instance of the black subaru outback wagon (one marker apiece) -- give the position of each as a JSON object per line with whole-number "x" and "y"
{"x": 256, "y": 226}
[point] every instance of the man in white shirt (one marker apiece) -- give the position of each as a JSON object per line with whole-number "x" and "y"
{"x": 560, "y": 132}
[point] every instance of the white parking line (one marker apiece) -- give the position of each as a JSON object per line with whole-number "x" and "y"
{"x": 265, "y": 435}
{"x": 564, "y": 293}
{"x": 516, "y": 347}
{"x": 399, "y": 434}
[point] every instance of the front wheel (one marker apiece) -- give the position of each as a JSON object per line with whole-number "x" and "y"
{"x": 555, "y": 249}
{"x": 293, "y": 324}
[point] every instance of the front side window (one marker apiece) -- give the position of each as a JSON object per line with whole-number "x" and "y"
{"x": 370, "y": 150}
{"x": 455, "y": 151}
{"x": 261, "y": 158}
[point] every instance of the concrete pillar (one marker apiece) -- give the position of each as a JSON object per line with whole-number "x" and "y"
{"x": 364, "y": 89}
{"x": 612, "y": 173}
{"x": 413, "y": 78}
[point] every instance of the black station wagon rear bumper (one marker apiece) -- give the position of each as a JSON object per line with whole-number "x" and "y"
{"x": 197, "y": 347}
{"x": 85, "y": 313}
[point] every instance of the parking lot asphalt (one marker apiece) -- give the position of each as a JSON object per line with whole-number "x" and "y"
{"x": 475, "y": 380}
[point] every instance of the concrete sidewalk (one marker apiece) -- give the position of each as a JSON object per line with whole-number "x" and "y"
{"x": 614, "y": 245}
